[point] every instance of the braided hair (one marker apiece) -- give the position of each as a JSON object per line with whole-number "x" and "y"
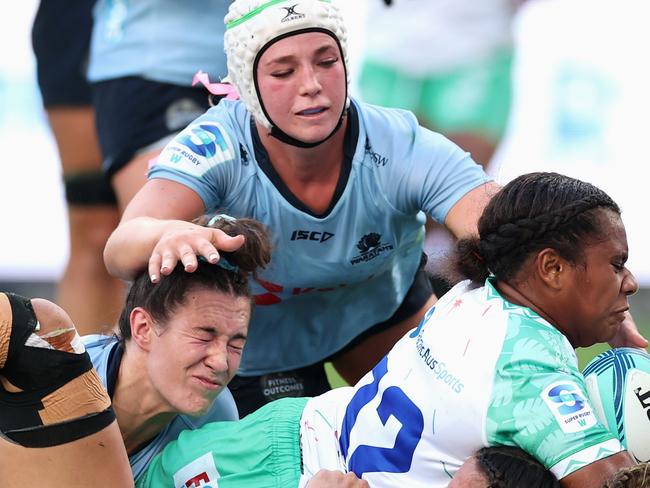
{"x": 511, "y": 467}
{"x": 637, "y": 476}
{"x": 533, "y": 212}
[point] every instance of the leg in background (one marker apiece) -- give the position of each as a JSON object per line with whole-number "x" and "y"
{"x": 92, "y": 297}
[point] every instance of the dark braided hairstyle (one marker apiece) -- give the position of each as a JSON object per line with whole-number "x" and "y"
{"x": 533, "y": 212}
{"x": 511, "y": 467}
{"x": 637, "y": 476}
{"x": 230, "y": 277}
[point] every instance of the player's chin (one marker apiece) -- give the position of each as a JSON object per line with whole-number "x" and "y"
{"x": 312, "y": 131}
{"x": 310, "y": 136}
{"x": 198, "y": 408}
{"x": 611, "y": 329}
{"x": 200, "y": 404}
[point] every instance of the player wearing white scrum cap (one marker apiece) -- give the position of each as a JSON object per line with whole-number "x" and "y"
{"x": 254, "y": 25}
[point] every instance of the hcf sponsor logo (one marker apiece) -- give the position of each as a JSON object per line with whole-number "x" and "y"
{"x": 200, "y": 473}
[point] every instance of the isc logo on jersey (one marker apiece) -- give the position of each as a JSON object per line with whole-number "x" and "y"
{"x": 618, "y": 384}
{"x": 200, "y": 473}
{"x": 569, "y": 406}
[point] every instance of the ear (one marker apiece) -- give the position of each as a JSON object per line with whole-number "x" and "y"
{"x": 142, "y": 330}
{"x": 551, "y": 268}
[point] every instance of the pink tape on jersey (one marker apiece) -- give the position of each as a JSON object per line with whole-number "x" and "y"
{"x": 215, "y": 88}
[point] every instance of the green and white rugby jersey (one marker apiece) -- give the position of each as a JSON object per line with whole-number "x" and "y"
{"x": 478, "y": 371}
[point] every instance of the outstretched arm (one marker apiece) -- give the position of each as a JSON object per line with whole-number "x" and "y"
{"x": 463, "y": 217}
{"x": 155, "y": 234}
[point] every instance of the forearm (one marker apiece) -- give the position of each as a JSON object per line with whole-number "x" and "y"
{"x": 463, "y": 217}
{"x": 129, "y": 247}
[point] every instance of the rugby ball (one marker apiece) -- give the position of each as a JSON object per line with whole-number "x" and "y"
{"x": 618, "y": 385}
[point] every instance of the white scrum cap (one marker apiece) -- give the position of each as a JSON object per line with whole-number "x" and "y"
{"x": 251, "y": 25}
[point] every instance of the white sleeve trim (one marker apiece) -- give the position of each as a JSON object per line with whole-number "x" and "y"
{"x": 587, "y": 456}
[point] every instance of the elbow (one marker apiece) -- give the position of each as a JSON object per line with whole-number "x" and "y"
{"x": 112, "y": 257}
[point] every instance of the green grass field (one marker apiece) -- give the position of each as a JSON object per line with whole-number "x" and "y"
{"x": 640, "y": 308}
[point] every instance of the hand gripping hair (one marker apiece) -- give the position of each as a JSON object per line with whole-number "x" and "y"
{"x": 49, "y": 392}
{"x": 253, "y": 25}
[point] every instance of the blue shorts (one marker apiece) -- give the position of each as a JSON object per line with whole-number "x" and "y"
{"x": 61, "y": 39}
{"x": 136, "y": 115}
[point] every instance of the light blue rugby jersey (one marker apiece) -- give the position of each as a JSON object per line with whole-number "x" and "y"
{"x": 162, "y": 40}
{"x": 332, "y": 276}
{"x": 99, "y": 348}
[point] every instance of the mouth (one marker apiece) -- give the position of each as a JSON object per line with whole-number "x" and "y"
{"x": 621, "y": 314}
{"x": 311, "y": 112}
{"x": 207, "y": 383}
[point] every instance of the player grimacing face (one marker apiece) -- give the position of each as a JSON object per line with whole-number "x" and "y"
{"x": 595, "y": 304}
{"x": 302, "y": 85}
{"x": 196, "y": 354}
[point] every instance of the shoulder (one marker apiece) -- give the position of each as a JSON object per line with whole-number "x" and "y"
{"x": 209, "y": 140}
{"x": 216, "y": 131}
{"x": 375, "y": 117}
{"x": 396, "y": 133}
{"x": 533, "y": 345}
{"x": 396, "y": 121}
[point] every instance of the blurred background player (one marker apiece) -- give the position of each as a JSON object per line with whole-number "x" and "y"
{"x": 450, "y": 66}
{"x": 143, "y": 58}
{"x": 449, "y": 62}
{"x": 60, "y": 38}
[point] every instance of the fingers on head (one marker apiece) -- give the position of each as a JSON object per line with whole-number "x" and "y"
{"x": 221, "y": 240}
{"x": 188, "y": 258}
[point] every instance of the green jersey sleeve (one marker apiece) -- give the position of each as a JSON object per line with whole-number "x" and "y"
{"x": 539, "y": 401}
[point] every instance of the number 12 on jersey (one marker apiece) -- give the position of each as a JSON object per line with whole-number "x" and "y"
{"x": 394, "y": 402}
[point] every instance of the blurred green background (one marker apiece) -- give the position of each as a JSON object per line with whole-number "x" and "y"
{"x": 639, "y": 306}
